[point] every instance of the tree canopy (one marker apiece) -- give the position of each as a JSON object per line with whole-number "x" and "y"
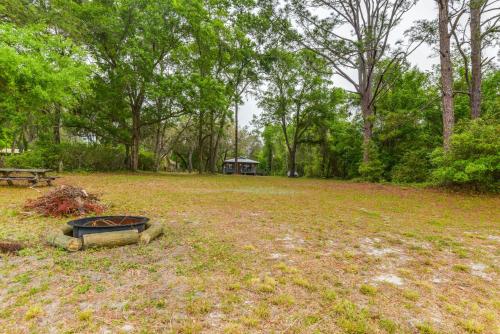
{"x": 159, "y": 85}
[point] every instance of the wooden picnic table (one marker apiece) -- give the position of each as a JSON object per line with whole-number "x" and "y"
{"x": 34, "y": 175}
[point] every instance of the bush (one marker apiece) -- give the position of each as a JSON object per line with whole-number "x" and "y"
{"x": 78, "y": 156}
{"x": 374, "y": 169}
{"x": 415, "y": 166}
{"x": 473, "y": 159}
{"x": 28, "y": 159}
{"x": 146, "y": 160}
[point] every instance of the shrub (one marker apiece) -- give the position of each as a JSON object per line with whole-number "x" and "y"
{"x": 78, "y": 156}
{"x": 415, "y": 166}
{"x": 146, "y": 160}
{"x": 473, "y": 159}
{"x": 374, "y": 169}
{"x": 28, "y": 159}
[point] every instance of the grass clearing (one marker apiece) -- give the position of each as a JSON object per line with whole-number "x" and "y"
{"x": 260, "y": 254}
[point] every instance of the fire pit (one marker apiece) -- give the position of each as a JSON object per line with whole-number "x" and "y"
{"x": 104, "y": 232}
{"x": 107, "y": 224}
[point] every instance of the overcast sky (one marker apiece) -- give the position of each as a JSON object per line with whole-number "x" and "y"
{"x": 424, "y": 57}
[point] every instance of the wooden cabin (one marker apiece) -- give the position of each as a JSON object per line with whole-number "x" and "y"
{"x": 245, "y": 166}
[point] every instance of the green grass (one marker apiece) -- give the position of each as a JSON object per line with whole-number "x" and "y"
{"x": 259, "y": 255}
{"x": 368, "y": 290}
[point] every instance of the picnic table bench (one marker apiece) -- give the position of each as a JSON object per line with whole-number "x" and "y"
{"x": 33, "y": 176}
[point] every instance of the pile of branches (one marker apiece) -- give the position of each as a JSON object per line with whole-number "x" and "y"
{"x": 66, "y": 201}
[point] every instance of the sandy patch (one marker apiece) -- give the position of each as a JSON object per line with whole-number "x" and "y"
{"x": 389, "y": 278}
{"x": 478, "y": 269}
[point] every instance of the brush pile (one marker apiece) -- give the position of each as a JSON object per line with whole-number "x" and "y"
{"x": 66, "y": 201}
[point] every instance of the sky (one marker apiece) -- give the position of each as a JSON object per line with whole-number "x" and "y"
{"x": 424, "y": 57}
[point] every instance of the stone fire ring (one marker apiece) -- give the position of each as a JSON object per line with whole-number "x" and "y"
{"x": 62, "y": 238}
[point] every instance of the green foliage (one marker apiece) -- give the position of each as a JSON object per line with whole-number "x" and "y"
{"x": 150, "y": 81}
{"x": 298, "y": 95}
{"x": 77, "y": 156}
{"x": 29, "y": 159}
{"x": 346, "y": 149}
{"x": 146, "y": 160}
{"x": 40, "y": 74}
{"x": 409, "y": 125}
{"x": 473, "y": 159}
{"x": 273, "y": 157}
{"x": 373, "y": 169}
{"x": 414, "y": 166}
{"x": 35, "y": 69}
{"x": 490, "y": 94}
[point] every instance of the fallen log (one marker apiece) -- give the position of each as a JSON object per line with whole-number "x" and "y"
{"x": 110, "y": 239}
{"x": 152, "y": 232}
{"x": 58, "y": 239}
{"x": 67, "y": 230}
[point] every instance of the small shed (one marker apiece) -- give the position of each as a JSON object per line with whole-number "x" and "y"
{"x": 245, "y": 166}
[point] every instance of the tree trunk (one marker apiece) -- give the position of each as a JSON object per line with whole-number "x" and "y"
{"x": 211, "y": 149}
{"x": 57, "y": 125}
{"x": 270, "y": 160}
{"x": 136, "y": 137}
{"x": 127, "y": 156}
{"x": 475, "y": 39}
{"x": 446, "y": 74}
{"x": 237, "y": 170}
{"x": 157, "y": 149}
{"x": 190, "y": 160}
{"x": 220, "y": 133}
{"x": 200, "y": 144}
{"x": 366, "y": 96}
{"x": 25, "y": 142}
{"x": 324, "y": 157}
{"x": 13, "y": 145}
{"x": 367, "y": 110}
{"x": 293, "y": 167}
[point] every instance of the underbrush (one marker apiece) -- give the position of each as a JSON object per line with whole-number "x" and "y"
{"x": 78, "y": 157}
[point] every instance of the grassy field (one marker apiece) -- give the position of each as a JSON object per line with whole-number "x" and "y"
{"x": 260, "y": 255}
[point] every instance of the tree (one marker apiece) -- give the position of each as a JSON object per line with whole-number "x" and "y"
{"x": 473, "y": 159}
{"x": 273, "y": 156}
{"x": 167, "y": 114}
{"x": 204, "y": 57}
{"x": 370, "y": 25}
{"x": 471, "y": 38}
{"x": 128, "y": 41}
{"x": 37, "y": 72}
{"x": 446, "y": 70}
{"x": 297, "y": 93}
{"x": 408, "y": 125}
{"x": 241, "y": 73}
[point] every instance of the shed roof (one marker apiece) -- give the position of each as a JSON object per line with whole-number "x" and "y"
{"x": 242, "y": 160}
